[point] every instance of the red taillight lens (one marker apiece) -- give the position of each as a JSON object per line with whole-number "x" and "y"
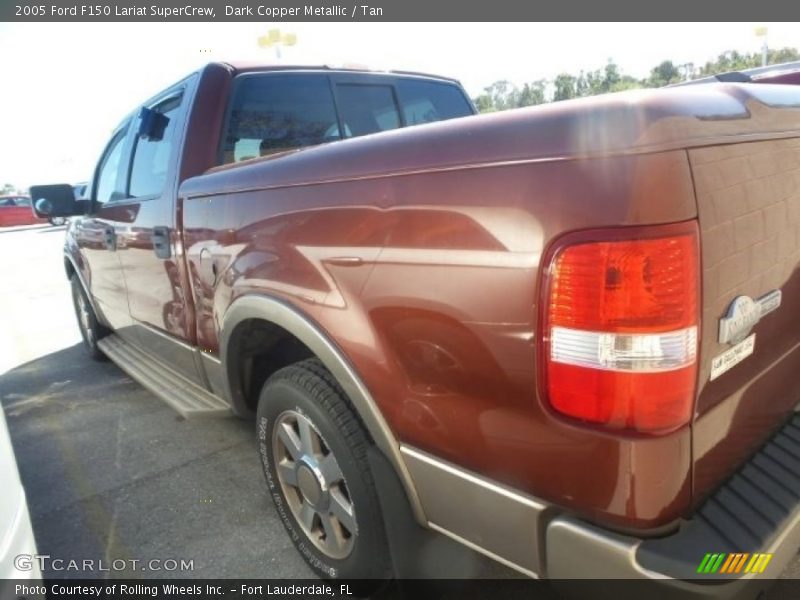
{"x": 621, "y": 322}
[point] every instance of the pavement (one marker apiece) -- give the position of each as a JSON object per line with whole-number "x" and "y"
{"x": 110, "y": 471}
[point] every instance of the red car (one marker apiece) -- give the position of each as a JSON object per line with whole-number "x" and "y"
{"x": 16, "y": 210}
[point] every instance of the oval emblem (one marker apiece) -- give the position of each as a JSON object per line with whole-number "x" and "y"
{"x": 743, "y": 314}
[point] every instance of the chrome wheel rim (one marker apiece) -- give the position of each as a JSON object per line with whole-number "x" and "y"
{"x": 313, "y": 485}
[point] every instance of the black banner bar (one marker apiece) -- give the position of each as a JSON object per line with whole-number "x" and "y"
{"x": 418, "y": 589}
{"x": 395, "y": 10}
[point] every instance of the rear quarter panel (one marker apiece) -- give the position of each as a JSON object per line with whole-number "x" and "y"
{"x": 428, "y": 283}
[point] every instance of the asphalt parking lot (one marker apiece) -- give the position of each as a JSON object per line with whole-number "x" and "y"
{"x": 110, "y": 471}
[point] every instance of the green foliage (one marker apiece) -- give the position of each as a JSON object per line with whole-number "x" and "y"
{"x": 503, "y": 95}
{"x": 664, "y": 74}
{"x": 734, "y": 61}
{"x": 7, "y": 189}
{"x": 565, "y": 86}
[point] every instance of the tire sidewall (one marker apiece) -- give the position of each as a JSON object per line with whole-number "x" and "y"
{"x": 89, "y": 343}
{"x": 276, "y": 398}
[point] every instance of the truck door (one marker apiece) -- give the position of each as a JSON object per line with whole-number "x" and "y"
{"x": 160, "y": 307}
{"x": 96, "y": 234}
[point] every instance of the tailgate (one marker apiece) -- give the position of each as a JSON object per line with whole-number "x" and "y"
{"x": 748, "y": 198}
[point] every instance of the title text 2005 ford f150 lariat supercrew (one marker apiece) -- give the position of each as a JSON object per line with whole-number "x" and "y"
{"x": 569, "y": 334}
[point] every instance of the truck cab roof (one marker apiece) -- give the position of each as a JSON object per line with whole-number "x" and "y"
{"x": 255, "y": 66}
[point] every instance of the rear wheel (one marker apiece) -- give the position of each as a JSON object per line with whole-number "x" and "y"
{"x": 57, "y": 220}
{"x": 91, "y": 330}
{"x": 313, "y": 451}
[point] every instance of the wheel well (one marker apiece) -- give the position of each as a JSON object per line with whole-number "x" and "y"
{"x": 257, "y": 349}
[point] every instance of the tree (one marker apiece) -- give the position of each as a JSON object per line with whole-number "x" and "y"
{"x": 7, "y": 189}
{"x": 496, "y": 97}
{"x": 502, "y": 95}
{"x": 782, "y": 55}
{"x": 612, "y": 77}
{"x": 734, "y": 61}
{"x": 565, "y": 86}
{"x": 532, "y": 94}
{"x": 664, "y": 74}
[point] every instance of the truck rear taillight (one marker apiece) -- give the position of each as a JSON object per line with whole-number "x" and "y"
{"x": 621, "y": 316}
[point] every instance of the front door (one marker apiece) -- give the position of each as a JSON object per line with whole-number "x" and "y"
{"x": 96, "y": 235}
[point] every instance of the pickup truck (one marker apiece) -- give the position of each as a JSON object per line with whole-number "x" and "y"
{"x": 566, "y": 337}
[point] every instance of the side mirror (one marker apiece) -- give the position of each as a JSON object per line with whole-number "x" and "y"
{"x": 55, "y": 201}
{"x": 152, "y": 124}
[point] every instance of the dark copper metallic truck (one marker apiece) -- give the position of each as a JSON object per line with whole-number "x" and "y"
{"x": 567, "y": 337}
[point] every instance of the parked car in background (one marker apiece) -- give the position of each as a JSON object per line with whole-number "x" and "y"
{"x": 16, "y": 210}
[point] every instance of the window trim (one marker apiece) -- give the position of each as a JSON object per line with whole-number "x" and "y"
{"x": 120, "y": 133}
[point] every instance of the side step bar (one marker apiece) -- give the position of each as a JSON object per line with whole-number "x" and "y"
{"x": 189, "y": 399}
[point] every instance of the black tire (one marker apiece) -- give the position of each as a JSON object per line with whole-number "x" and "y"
{"x": 57, "y": 221}
{"x": 90, "y": 327}
{"x": 307, "y": 391}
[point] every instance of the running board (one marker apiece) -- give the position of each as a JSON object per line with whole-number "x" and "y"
{"x": 189, "y": 399}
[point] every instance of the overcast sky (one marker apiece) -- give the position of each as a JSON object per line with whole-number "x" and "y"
{"x": 67, "y": 85}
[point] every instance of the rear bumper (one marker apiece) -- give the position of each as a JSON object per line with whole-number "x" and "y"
{"x": 757, "y": 511}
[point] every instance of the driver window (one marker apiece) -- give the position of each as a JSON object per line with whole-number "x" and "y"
{"x": 110, "y": 185}
{"x": 151, "y": 157}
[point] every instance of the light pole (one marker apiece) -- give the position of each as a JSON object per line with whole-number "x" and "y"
{"x": 762, "y": 32}
{"x": 276, "y": 39}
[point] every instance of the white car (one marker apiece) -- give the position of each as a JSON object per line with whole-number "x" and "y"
{"x": 17, "y": 545}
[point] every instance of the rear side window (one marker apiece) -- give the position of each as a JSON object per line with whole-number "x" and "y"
{"x": 272, "y": 113}
{"x": 428, "y": 101}
{"x": 275, "y": 113}
{"x": 367, "y": 108}
{"x": 151, "y": 157}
